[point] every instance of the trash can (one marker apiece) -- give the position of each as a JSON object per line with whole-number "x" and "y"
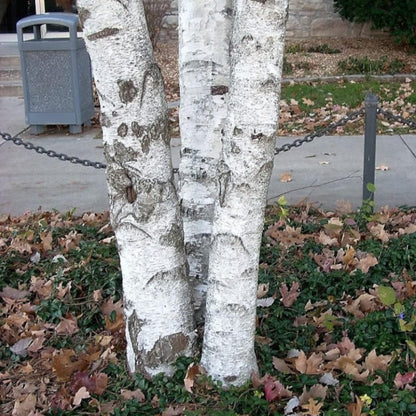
{"x": 56, "y": 73}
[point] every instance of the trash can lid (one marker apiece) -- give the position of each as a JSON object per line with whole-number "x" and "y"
{"x": 64, "y": 19}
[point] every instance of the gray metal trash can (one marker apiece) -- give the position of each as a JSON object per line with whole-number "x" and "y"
{"x": 56, "y": 72}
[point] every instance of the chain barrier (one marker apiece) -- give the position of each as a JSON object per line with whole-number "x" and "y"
{"x": 51, "y": 153}
{"x": 399, "y": 119}
{"x": 285, "y": 148}
{"x": 319, "y": 133}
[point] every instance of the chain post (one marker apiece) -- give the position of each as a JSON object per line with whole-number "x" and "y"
{"x": 370, "y": 131}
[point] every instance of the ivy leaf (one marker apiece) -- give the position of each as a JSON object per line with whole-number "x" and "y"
{"x": 387, "y": 295}
{"x": 411, "y": 345}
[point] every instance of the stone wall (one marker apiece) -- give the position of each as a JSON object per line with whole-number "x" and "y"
{"x": 307, "y": 19}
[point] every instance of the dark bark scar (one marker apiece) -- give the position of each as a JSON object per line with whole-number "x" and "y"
{"x": 122, "y": 130}
{"x": 219, "y": 90}
{"x": 127, "y": 91}
{"x": 108, "y": 31}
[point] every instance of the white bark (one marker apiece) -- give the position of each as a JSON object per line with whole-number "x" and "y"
{"x": 143, "y": 202}
{"x": 204, "y": 35}
{"x": 248, "y": 150}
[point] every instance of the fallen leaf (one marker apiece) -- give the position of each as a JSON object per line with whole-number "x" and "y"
{"x": 135, "y": 394}
{"x": 313, "y": 408}
{"x": 400, "y": 381}
{"x": 67, "y": 326}
{"x": 289, "y": 296}
{"x": 356, "y": 408}
{"x": 174, "y": 411}
{"x": 374, "y": 362}
{"x": 21, "y": 346}
{"x": 308, "y": 102}
{"x": 309, "y": 365}
{"x": 192, "y": 371}
{"x": 292, "y": 404}
{"x": 262, "y": 290}
{"x": 329, "y": 380}
{"x": 80, "y": 395}
{"x": 274, "y": 390}
{"x": 23, "y": 407}
{"x": 15, "y": 294}
{"x": 65, "y": 363}
{"x": 365, "y": 263}
{"x": 46, "y": 238}
{"x": 265, "y": 302}
{"x": 285, "y": 177}
{"x": 281, "y": 366}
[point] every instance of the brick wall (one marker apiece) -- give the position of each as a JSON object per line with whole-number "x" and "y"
{"x": 307, "y": 19}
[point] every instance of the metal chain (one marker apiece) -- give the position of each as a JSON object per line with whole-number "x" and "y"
{"x": 285, "y": 148}
{"x": 399, "y": 119}
{"x": 51, "y": 153}
{"x": 319, "y": 133}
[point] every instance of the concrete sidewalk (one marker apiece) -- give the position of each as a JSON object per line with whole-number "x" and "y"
{"x": 324, "y": 171}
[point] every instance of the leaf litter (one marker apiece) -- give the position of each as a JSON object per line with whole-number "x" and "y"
{"x": 323, "y": 273}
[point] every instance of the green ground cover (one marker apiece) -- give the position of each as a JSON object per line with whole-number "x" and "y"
{"x": 335, "y": 324}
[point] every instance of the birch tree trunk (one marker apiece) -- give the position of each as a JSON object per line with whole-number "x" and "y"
{"x": 144, "y": 207}
{"x": 244, "y": 175}
{"x": 204, "y": 36}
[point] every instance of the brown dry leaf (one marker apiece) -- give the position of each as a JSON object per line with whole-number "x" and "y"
{"x": 365, "y": 263}
{"x": 285, "y": 177}
{"x": 281, "y": 366}
{"x": 326, "y": 240}
{"x": 65, "y": 363}
{"x": 356, "y": 408}
{"x": 109, "y": 306}
{"x": 317, "y": 391}
{"x": 289, "y": 296}
{"x": 20, "y": 246}
{"x": 114, "y": 325}
{"x": 80, "y": 395}
{"x": 410, "y": 229}
{"x": 313, "y": 408}
{"x": 349, "y": 366}
{"x": 262, "y": 290}
{"x": 46, "y": 238}
{"x": 343, "y": 207}
{"x": 309, "y": 365}
{"x": 99, "y": 383}
{"x": 67, "y": 326}
{"x": 191, "y": 373}
{"x": 401, "y": 381}
{"x": 62, "y": 291}
{"x": 308, "y": 102}
{"x": 364, "y": 304}
{"x": 135, "y": 394}
{"x": 43, "y": 288}
{"x": 378, "y": 232}
{"x": 374, "y": 362}
{"x": 24, "y": 406}
{"x": 263, "y": 340}
{"x": 274, "y": 390}
{"x": 14, "y": 294}
{"x": 349, "y": 257}
{"x": 174, "y": 411}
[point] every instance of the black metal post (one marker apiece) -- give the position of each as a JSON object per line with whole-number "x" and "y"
{"x": 371, "y": 103}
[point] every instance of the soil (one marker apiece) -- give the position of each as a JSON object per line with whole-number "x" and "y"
{"x": 305, "y": 63}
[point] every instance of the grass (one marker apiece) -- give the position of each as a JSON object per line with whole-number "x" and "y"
{"x": 77, "y": 279}
{"x": 349, "y": 94}
{"x": 306, "y": 107}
